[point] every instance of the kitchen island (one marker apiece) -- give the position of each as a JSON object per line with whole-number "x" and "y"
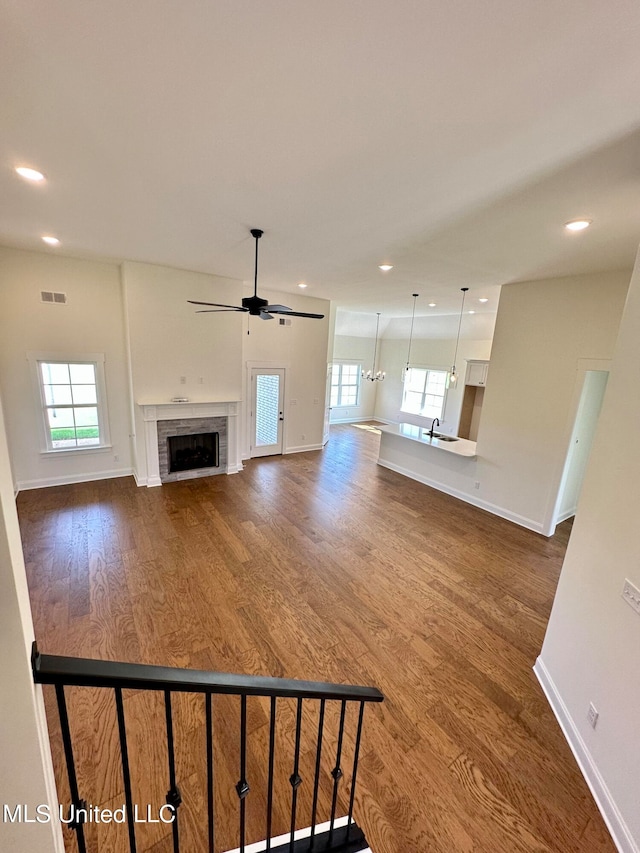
{"x": 445, "y": 464}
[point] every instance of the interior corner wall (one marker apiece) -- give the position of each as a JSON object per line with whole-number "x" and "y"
{"x": 302, "y": 348}
{"x": 543, "y": 329}
{"x": 169, "y": 341}
{"x": 434, "y": 353}
{"x": 25, "y": 757}
{"x": 91, "y": 321}
{"x": 590, "y": 652}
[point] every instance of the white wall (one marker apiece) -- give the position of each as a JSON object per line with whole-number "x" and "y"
{"x": 584, "y": 430}
{"x": 356, "y": 349}
{"x": 90, "y": 322}
{"x": 169, "y": 340}
{"x": 302, "y": 349}
{"x": 543, "y": 330}
{"x": 591, "y": 648}
{"x": 25, "y": 759}
{"x": 425, "y": 353}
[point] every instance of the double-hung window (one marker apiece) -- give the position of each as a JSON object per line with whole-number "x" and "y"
{"x": 424, "y": 392}
{"x": 72, "y": 396}
{"x": 345, "y": 384}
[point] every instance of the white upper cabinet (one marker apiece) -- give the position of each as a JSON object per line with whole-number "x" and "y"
{"x": 477, "y": 373}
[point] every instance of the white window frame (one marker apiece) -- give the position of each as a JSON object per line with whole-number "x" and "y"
{"x": 342, "y": 364}
{"x": 97, "y": 359}
{"x": 427, "y": 370}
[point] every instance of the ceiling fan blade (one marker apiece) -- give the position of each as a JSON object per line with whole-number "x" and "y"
{"x": 289, "y": 313}
{"x": 276, "y": 308}
{"x": 265, "y": 316}
{"x": 218, "y": 310}
{"x": 217, "y": 305}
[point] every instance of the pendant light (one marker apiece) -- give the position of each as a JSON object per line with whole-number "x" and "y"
{"x": 373, "y": 375}
{"x": 453, "y": 375}
{"x": 405, "y": 372}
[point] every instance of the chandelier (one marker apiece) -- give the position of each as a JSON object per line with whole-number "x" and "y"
{"x": 373, "y": 375}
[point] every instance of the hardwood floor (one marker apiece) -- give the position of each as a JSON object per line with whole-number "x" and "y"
{"x": 320, "y": 566}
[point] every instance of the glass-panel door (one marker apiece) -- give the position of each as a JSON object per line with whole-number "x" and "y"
{"x": 267, "y": 414}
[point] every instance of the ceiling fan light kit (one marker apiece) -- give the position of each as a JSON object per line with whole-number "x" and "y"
{"x": 254, "y": 305}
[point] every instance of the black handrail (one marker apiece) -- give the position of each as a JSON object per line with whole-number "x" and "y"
{"x": 87, "y": 672}
{"x": 84, "y": 672}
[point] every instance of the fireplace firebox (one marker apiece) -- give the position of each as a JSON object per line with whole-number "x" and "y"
{"x": 190, "y": 452}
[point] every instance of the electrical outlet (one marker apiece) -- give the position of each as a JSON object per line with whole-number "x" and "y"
{"x": 476, "y": 485}
{"x": 183, "y": 380}
{"x": 592, "y": 715}
{"x": 116, "y": 458}
{"x": 303, "y": 436}
{"x": 631, "y": 595}
{"x": 201, "y": 380}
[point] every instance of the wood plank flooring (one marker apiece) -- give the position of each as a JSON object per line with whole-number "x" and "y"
{"x": 320, "y": 566}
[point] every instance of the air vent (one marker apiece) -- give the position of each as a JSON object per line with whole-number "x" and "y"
{"x": 50, "y": 296}
{"x": 284, "y": 321}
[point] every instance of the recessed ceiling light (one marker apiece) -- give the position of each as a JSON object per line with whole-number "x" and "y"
{"x": 472, "y": 312}
{"x": 432, "y": 305}
{"x": 577, "y": 224}
{"x": 302, "y": 284}
{"x": 51, "y": 241}
{"x": 385, "y": 267}
{"x": 483, "y": 299}
{"x": 30, "y": 174}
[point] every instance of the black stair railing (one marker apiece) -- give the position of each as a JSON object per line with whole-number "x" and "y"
{"x": 65, "y": 672}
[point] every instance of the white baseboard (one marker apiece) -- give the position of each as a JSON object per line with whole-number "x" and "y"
{"x": 68, "y": 479}
{"x": 565, "y": 515}
{"x": 615, "y": 822}
{"x": 522, "y": 520}
{"x": 352, "y": 420}
{"x": 304, "y": 448}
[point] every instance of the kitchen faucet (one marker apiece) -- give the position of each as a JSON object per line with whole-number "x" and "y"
{"x": 433, "y": 423}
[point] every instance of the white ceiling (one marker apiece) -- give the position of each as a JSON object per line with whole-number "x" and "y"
{"x": 451, "y": 139}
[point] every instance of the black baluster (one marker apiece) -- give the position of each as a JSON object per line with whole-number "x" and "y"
{"x": 354, "y": 775}
{"x": 272, "y": 743}
{"x": 295, "y": 779}
{"x": 76, "y": 802}
{"x": 209, "y": 724}
{"x": 125, "y": 770}
{"x": 243, "y": 786}
{"x": 316, "y": 780}
{"x": 337, "y": 771}
{"x": 173, "y": 794}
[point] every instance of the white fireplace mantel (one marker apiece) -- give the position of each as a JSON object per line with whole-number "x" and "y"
{"x": 154, "y": 412}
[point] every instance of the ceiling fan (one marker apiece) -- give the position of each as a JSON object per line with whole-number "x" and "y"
{"x": 254, "y": 305}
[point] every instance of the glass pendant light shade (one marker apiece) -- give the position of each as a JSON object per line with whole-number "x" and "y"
{"x": 405, "y": 372}
{"x": 452, "y": 379}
